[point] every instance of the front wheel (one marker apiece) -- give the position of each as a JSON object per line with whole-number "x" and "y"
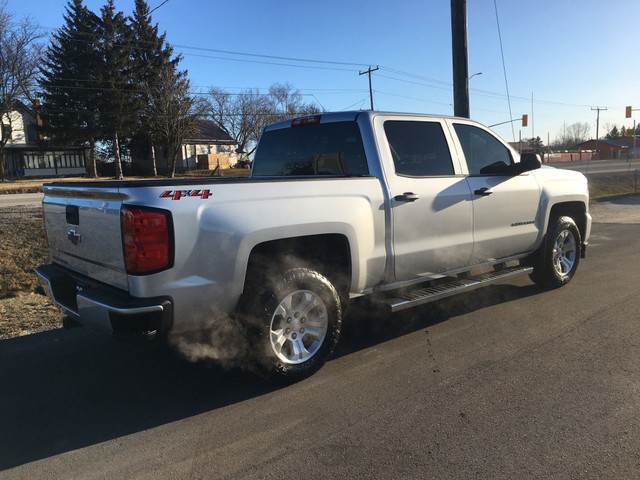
{"x": 556, "y": 262}
{"x": 298, "y": 318}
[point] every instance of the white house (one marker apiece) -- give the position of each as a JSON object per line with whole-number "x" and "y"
{"x": 209, "y": 148}
{"x": 26, "y": 153}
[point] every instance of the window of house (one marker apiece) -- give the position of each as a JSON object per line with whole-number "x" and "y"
{"x": 6, "y": 131}
{"x": 484, "y": 153}
{"x": 419, "y": 149}
{"x": 31, "y": 136}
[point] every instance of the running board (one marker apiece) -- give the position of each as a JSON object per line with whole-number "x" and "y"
{"x": 453, "y": 287}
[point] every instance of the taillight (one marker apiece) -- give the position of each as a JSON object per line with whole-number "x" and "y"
{"x": 146, "y": 239}
{"x": 296, "y": 122}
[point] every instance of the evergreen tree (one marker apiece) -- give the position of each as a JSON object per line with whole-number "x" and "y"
{"x": 623, "y": 131}
{"x": 116, "y": 108}
{"x": 150, "y": 55}
{"x": 69, "y": 84}
{"x": 536, "y": 144}
{"x": 613, "y": 133}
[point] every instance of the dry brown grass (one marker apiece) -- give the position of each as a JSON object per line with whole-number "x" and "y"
{"x": 609, "y": 184}
{"x": 22, "y": 249}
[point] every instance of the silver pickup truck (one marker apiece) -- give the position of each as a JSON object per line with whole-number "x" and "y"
{"x": 401, "y": 208}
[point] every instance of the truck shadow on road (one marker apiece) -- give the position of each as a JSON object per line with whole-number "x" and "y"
{"x": 366, "y": 327}
{"x": 66, "y": 389}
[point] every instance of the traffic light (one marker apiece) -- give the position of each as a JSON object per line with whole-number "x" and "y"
{"x": 628, "y": 112}
{"x": 525, "y": 120}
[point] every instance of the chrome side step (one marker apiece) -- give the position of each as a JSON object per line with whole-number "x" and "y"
{"x": 421, "y": 296}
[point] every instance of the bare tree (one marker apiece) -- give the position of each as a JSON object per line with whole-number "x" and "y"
{"x": 171, "y": 112}
{"x": 19, "y": 60}
{"x": 244, "y": 115}
{"x": 572, "y": 135}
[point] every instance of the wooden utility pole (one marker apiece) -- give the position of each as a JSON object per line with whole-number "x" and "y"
{"x": 597, "y": 129}
{"x": 460, "y": 58}
{"x": 368, "y": 72}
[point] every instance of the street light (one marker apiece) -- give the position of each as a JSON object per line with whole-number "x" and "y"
{"x": 479, "y": 73}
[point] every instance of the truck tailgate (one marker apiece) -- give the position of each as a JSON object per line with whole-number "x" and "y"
{"x": 84, "y": 232}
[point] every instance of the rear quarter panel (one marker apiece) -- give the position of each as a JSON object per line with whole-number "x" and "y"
{"x": 214, "y": 236}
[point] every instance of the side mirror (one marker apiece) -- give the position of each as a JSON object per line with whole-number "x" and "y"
{"x": 528, "y": 162}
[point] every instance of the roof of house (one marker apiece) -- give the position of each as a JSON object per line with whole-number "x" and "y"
{"x": 525, "y": 146}
{"x": 208, "y": 132}
{"x": 612, "y": 143}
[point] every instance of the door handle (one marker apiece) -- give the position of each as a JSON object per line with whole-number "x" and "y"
{"x": 407, "y": 197}
{"x": 484, "y": 191}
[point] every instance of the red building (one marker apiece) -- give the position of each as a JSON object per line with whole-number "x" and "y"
{"x": 609, "y": 149}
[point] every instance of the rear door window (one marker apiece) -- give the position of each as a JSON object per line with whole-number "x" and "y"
{"x": 419, "y": 149}
{"x": 333, "y": 149}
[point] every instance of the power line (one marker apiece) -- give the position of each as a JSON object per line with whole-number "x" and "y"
{"x": 430, "y": 82}
{"x": 504, "y": 68}
{"x": 156, "y": 8}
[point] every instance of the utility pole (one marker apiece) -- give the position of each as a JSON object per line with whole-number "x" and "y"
{"x": 597, "y": 128}
{"x": 460, "y": 58}
{"x": 533, "y": 133}
{"x": 368, "y": 72}
{"x": 629, "y": 114}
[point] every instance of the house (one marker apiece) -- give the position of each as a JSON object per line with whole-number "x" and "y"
{"x": 634, "y": 145}
{"x": 28, "y": 155}
{"x": 608, "y": 149}
{"x": 209, "y": 148}
{"x": 522, "y": 147}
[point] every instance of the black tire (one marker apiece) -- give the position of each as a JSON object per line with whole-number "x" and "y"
{"x": 297, "y": 320}
{"x": 556, "y": 262}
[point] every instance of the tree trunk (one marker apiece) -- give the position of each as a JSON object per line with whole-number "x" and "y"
{"x": 3, "y": 159}
{"x": 153, "y": 159}
{"x": 116, "y": 148}
{"x": 92, "y": 167}
{"x": 173, "y": 157}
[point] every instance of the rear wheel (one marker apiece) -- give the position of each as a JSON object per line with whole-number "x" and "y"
{"x": 298, "y": 320}
{"x": 556, "y": 262}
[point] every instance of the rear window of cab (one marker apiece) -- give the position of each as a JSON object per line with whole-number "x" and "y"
{"x": 316, "y": 149}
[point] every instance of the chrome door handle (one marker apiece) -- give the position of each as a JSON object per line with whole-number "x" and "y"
{"x": 407, "y": 197}
{"x": 484, "y": 191}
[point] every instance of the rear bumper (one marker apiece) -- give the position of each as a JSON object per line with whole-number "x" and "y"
{"x": 104, "y": 308}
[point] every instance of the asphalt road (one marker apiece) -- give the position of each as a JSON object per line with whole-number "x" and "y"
{"x": 16, "y": 199}
{"x": 506, "y": 382}
{"x": 601, "y": 166}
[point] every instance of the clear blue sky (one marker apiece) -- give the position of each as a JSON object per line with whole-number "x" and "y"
{"x": 571, "y": 55}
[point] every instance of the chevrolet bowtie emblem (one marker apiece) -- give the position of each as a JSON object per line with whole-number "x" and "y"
{"x": 74, "y": 237}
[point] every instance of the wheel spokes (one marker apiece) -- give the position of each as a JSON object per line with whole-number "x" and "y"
{"x": 298, "y": 326}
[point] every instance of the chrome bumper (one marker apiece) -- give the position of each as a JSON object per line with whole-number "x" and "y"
{"x": 105, "y": 308}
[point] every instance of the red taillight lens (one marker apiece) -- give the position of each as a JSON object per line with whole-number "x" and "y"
{"x": 145, "y": 239}
{"x": 296, "y": 122}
